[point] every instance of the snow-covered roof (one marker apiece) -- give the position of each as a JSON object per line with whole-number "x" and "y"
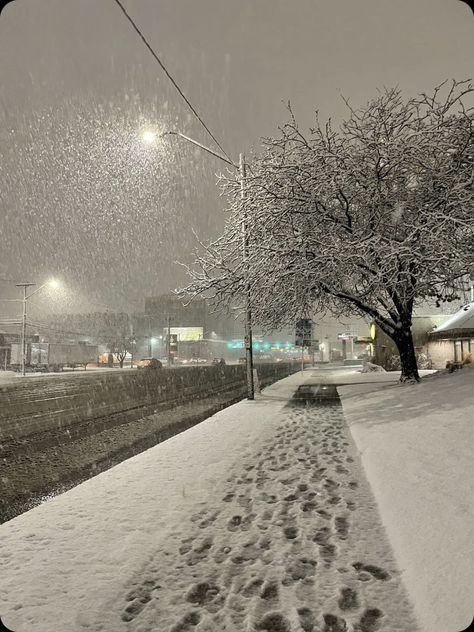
{"x": 463, "y": 319}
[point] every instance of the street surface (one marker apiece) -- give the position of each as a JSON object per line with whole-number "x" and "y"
{"x": 12, "y": 377}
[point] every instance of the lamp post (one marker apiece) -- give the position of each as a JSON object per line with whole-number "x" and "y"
{"x": 149, "y": 137}
{"x": 25, "y": 286}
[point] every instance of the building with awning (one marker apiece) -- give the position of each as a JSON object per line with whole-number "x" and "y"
{"x": 439, "y": 339}
{"x": 454, "y": 338}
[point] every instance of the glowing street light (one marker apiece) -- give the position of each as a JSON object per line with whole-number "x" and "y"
{"x": 148, "y": 137}
{"x": 52, "y": 283}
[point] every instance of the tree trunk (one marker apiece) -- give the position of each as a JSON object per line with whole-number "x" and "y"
{"x": 406, "y": 349}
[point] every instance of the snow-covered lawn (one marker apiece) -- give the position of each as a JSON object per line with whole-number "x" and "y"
{"x": 416, "y": 447}
{"x": 260, "y": 518}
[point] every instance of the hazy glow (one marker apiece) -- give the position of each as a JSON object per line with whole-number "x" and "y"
{"x": 53, "y": 283}
{"x": 148, "y": 136}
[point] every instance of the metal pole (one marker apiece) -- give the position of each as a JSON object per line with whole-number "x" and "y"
{"x": 302, "y": 359}
{"x": 169, "y": 341}
{"x": 248, "y": 311}
{"x": 23, "y": 334}
{"x": 149, "y": 337}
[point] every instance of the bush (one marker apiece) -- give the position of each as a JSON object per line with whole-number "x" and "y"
{"x": 372, "y": 368}
{"x": 423, "y": 361}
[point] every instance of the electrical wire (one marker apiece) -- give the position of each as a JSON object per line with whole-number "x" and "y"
{"x": 61, "y": 331}
{"x": 8, "y": 280}
{"x": 193, "y": 110}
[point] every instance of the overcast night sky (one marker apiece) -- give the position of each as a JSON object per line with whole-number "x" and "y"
{"x": 84, "y": 199}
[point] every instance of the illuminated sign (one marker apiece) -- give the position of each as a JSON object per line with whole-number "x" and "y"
{"x": 347, "y": 336}
{"x": 186, "y": 334}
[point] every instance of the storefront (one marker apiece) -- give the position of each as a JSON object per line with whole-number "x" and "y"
{"x": 455, "y": 336}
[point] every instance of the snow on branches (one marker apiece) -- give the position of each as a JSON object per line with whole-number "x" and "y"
{"x": 368, "y": 219}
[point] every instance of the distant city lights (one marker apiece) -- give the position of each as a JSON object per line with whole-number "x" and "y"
{"x": 260, "y": 345}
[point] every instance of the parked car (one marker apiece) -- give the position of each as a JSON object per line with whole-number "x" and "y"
{"x": 220, "y": 361}
{"x": 149, "y": 363}
{"x": 198, "y": 361}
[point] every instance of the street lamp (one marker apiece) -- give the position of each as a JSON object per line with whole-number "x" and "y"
{"x": 51, "y": 283}
{"x": 150, "y": 137}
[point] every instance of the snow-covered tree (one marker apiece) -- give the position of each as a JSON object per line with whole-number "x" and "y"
{"x": 369, "y": 219}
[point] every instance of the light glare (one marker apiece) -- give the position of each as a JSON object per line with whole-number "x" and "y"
{"x": 149, "y": 137}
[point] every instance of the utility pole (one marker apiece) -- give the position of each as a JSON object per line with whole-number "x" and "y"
{"x": 149, "y": 336}
{"x": 248, "y": 312}
{"x": 25, "y": 286}
{"x": 169, "y": 341}
{"x": 248, "y": 308}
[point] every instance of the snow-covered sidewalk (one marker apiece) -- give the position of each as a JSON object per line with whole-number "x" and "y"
{"x": 260, "y": 518}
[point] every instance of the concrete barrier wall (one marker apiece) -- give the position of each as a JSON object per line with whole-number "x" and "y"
{"x": 42, "y": 404}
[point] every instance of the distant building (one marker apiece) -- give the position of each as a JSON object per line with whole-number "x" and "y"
{"x": 199, "y": 332}
{"x": 197, "y": 314}
{"x": 168, "y": 306}
{"x": 441, "y": 338}
{"x": 453, "y": 340}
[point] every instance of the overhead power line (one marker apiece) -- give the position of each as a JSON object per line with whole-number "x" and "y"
{"x": 193, "y": 110}
{"x": 9, "y": 281}
{"x": 57, "y": 330}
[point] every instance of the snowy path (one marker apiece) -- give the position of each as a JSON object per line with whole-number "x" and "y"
{"x": 292, "y": 542}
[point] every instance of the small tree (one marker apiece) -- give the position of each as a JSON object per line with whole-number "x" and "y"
{"x": 369, "y": 220}
{"x": 116, "y": 331}
{"x": 120, "y": 356}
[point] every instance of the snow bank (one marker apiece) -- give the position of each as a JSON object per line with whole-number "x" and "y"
{"x": 415, "y": 442}
{"x": 369, "y": 367}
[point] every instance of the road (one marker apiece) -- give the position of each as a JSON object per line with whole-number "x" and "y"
{"x": 12, "y": 377}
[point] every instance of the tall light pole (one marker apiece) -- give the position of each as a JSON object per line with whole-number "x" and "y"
{"x": 25, "y": 286}
{"x": 149, "y": 137}
{"x": 248, "y": 304}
